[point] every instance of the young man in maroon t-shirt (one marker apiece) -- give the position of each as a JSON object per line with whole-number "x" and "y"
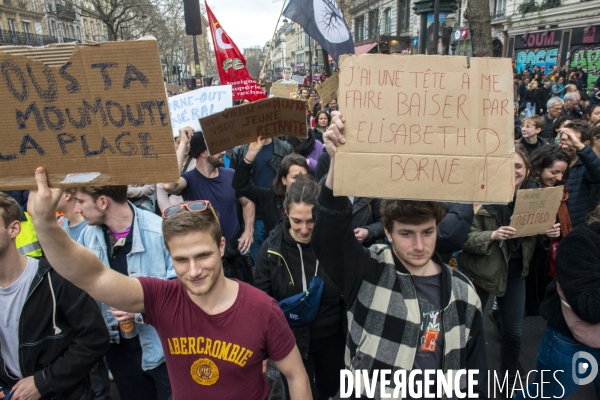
{"x": 215, "y": 331}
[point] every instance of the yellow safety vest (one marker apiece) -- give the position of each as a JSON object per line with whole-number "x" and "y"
{"x": 27, "y": 241}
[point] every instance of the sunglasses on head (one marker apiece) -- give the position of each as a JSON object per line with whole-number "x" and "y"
{"x": 195, "y": 206}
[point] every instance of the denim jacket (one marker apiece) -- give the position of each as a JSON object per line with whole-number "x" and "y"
{"x": 148, "y": 257}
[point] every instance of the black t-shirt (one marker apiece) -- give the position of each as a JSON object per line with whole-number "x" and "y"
{"x": 431, "y": 337}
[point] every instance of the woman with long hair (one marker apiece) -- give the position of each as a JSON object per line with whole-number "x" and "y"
{"x": 549, "y": 167}
{"x": 532, "y": 99}
{"x": 286, "y": 267}
{"x": 322, "y": 122}
{"x": 268, "y": 201}
{"x": 498, "y": 263}
{"x": 592, "y": 113}
{"x": 571, "y": 309}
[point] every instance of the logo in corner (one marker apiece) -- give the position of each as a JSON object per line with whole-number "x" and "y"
{"x": 584, "y": 368}
{"x": 205, "y": 372}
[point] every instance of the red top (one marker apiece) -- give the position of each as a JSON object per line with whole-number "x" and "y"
{"x": 216, "y": 356}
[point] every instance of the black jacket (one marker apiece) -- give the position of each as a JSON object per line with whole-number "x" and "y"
{"x": 59, "y": 362}
{"x": 578, "y": 271}
{"x": 583, "y": 176}
{"x": 547, "y": 132}
{"x": 269, "y": 204}
{"x": 366, "y": 213}
{"x": 277, "y": 265}
{"x": 280, "y": 150}
{"x": 543, "y": 96}
{"x": 453, "y": 231}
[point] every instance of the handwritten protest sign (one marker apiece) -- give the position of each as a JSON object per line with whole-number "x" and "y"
{"x": 284, "y": 89}
{"x": 187, "y": 108}
{"x": 267, "y": 118}
{"x": 98, "y": 116}
{"x": 328, "y": 90}
{"x": 426, "y": 127}
{"x": 535, "y": 210}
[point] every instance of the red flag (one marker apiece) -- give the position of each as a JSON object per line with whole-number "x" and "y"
{"x": 231, "y": 64}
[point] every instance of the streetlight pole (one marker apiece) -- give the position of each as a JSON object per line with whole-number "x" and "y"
{"x": 436, "y": 26}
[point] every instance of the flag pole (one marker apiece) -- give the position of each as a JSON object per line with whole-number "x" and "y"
{"x": 271, "y": 44}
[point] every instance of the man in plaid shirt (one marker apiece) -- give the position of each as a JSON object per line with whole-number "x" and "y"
{"x": 407, "y": 310}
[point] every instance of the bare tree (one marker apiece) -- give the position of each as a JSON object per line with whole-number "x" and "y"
{"x": 478, "y": 14}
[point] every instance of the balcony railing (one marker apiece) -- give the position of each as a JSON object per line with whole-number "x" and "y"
{"x": 70, "y": 40}
{"x": 498, "y": 14}
{"x": 65, "y": 12}
{"x": 30, "y": 39}
{"x": 8, "y": 3}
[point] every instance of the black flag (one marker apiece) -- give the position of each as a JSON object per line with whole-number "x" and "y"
{"x": 324, "y": 22}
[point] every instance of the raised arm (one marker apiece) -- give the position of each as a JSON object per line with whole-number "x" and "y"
{"x": 185, "y": 134}
{"x": 242, "y": 179}
{"x": 73, "y": 261}
{"x": 333, "y": 241}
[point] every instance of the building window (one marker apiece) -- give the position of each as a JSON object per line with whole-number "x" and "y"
{"x": 306, "y": 39}
{"x": 12, "y": 26}
{"x": 300, "y": 58}
{"x": 79, "y": 34}
{"x": 53, "y": 29}
{"x": 403, "y": 15}
{"x": 373, "y": 23}
{"x": 26, "y": 27}
{"x": 34, "y": 5}
{"x": 388, "y": 21}
{"x": 359, "y": 29}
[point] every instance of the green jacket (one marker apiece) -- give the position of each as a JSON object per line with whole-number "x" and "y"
{"x": 484, "y": 261}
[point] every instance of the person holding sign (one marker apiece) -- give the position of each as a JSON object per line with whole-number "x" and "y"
{"x": 395, "y": 294}
{"x": 550, "y": 167}
{"x": 269, "y": 202}
{"x": 215, "y": 331}
{"x": 287, "y": 266}
{"x": 498, "y": 264}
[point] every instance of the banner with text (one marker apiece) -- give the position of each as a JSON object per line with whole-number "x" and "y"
{"x": 535, "y": 210}
{"x": 243, "y": 124}
{"x": 90, "y": 114}
{"x": 426, "y": 127}
{"x": 328, "y": 90}
{"x": 187, "y": 108}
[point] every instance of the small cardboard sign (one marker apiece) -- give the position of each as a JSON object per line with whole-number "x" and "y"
{"x": 187, "y": 108}
{"x": 426, "y": 127}
{"x": 90, "y": 114}
{"x": 284, "y": 90}
{"x": 267, "y": 118}
{"x": 535, "y": 210}
{"x": 328, "y": 90}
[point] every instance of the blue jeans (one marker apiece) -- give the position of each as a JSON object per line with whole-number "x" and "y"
{"x": 260, "y": 235}
{"x": 556, "y": 353}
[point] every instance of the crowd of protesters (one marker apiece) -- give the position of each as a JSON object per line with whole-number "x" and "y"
{"x": 190, "y": 305}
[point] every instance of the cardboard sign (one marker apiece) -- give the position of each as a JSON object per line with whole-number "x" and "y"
{"x": 187, "y": 108}
{"x": 93, "y": 115}
{"x": 535, "y": 210}
{"x": 328, "y": 90}
{"x": 311, "y": 104}
{"x": 284, "y": 90}
{"x": 267, "y": 118}
{"x": 299, "y": 79}
{"x": 426, "y": 127}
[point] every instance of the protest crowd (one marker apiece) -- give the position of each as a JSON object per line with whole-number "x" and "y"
{"x": 249, "y": 277}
